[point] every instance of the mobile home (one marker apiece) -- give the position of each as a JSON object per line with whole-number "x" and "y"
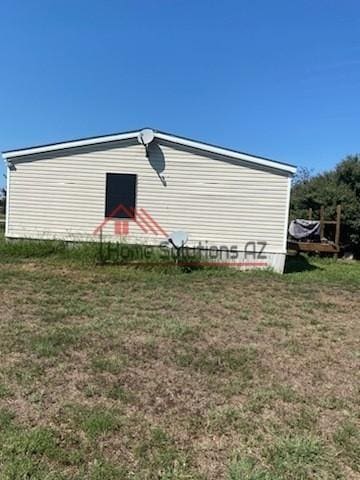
{"x": 141, "y": 186}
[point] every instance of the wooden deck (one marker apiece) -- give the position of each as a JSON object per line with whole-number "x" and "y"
{"x": 320, "y": 247}
{"x": 315, "y": 247}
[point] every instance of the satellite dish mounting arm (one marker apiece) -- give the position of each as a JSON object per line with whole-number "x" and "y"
{"x": 145, "y": 137}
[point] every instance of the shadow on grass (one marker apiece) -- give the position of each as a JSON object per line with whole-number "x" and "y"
{"x": 299, "y": 263}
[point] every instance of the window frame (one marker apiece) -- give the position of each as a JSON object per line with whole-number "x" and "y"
{"x": 135, "y": 184}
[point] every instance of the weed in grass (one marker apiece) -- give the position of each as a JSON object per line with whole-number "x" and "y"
{"x": 244, "y": 314}
{"x": 149, "y": 347}
{"x": 72, "y": 451}
{"x": 270, "y": 308}
{"x": 26, "y": 373}
{"x": 6, "y": 418}
{"x": 258, "y": 402}
{"x": 96, "y": 421}
{"x": 53, "y": 314}
{"x": 91, "y": 391}
{"x": 113, "y": 364}
{"x": 117, "y": 392}
{"x": 230, "y": 419}
{"x": 347, "y": 440}
{"x": 294, "y": 346}
{"x": 104, "y": 387}
{"x": 276, "y": 322}
{"x": 103, "y": 470}
{"x": 237, "y": 385}
{"x": 264, "y": 398}
{"x": 333, "y": 403}
{"x": 176, "y": 328}
{"x": 213, "y": 360}
{"x": 99, "y": 421}
{"x": 245, "y": 468}
{"x": 75, "y": 307}
{"x": 286, "y": 393}
{"x": 305, "y": 419}
{"x": 55, "y": 342}
{"x": 159, "y": 458}
{"x": 4, "y": 391}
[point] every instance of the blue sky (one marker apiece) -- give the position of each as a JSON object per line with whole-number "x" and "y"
{"x": 275, "y": 78}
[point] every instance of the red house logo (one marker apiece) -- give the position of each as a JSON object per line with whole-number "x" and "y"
{"x": 140, "y": 216}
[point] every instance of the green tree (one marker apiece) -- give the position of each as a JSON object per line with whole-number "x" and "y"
{"x": 341, "y": 185}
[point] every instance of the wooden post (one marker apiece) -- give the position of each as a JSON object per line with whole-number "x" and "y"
{"x": 310, "y": 213}
{"x": 337, "y": 229}
{"x": 322, "y": 230}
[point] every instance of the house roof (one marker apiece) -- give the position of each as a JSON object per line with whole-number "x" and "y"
{"x": 168, "y": 137}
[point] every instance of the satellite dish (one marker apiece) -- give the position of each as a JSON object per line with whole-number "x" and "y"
{"x": 146, "y": 136}
{"x": 178, "y": 239}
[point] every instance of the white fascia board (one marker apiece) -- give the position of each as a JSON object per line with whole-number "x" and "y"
{"x": 225, "y": 152}
{"x": 71, "y": 144}
{"x": 7, "y": 208}
{"x": 162, "y": 136}
{"x": 287, "y": 213}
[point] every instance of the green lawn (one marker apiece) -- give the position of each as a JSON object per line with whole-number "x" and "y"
{"x": 152, "y": 373}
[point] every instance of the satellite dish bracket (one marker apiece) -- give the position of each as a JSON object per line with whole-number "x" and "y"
{"x": 178, "y": 240}
{"x": 145, "y": 137}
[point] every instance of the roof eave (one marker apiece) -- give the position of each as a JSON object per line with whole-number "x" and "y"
{"x": 72, "y": 144}
{"x": 290, "y": 169}
{"x": 225, "y": 152}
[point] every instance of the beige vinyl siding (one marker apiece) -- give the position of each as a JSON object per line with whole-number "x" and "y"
{"x": 223, "y": 202}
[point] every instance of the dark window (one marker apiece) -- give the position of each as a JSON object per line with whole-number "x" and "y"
{"x": 120, "y": 195}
